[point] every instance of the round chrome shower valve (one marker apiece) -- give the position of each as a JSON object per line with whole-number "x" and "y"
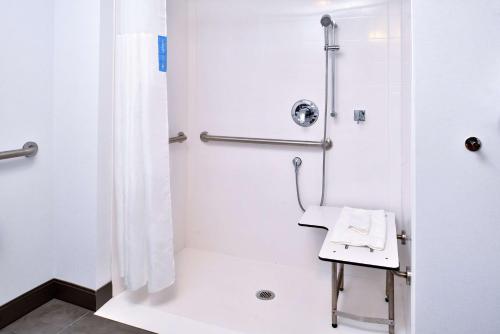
{"x": 305, "y": 113}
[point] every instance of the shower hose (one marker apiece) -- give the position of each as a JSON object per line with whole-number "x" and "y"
{"x": 297, "y": 161}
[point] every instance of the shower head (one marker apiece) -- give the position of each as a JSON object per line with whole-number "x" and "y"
{"x": 326, "y": 21}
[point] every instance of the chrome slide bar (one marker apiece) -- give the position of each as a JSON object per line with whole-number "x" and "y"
{"x": 178, "y": 139}
{"x": 29, "y": 149}
{"x": 205, "y": 137}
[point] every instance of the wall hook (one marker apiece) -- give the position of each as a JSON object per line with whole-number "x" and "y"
{"x": 473, "y": 144}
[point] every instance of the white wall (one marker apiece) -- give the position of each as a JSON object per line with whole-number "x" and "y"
{"x": 456, "y": 73}
{"x": 105, "y": 144}
{"x": 55, "y": 89}
{"x": 81, "y": 153}
{"x": 249, "y": 61}
{"x": 177, "y": 26}
{"x": 25, "y": 114}
{"x": 406, "y": 111}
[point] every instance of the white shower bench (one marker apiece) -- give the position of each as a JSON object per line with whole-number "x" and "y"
{"x": 387, "y": 259}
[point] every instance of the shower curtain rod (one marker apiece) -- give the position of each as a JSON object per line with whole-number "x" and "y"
{"x": 205, "y": 137}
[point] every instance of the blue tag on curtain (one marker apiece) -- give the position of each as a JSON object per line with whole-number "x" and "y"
{"x": 162, "y": 53}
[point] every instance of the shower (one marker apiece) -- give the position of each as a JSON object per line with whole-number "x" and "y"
{"x": 326, "y": 21}
{"x": 330, "y": 48}
{"x": 329, "y": 27}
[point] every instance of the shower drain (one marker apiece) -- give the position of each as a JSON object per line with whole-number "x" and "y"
{"x": 265, "y": 295}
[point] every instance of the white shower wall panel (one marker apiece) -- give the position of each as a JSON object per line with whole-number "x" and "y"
{"x": 248, "y": 62}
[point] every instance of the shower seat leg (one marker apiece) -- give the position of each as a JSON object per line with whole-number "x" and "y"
{"x": 341, "y": 278}
{"x": 387, "y": 286}
{"x": 335, "y": 295}
{"x": 390, "y": 296}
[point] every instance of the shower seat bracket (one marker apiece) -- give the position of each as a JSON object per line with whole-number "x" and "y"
{"x": 403, "y": 237}
{"x": 405, "y": 274}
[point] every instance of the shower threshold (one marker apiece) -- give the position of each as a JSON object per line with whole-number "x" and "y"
{"x": 216, "y": 294}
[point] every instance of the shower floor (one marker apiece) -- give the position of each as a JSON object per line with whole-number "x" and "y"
{"x": 215, "y": 294}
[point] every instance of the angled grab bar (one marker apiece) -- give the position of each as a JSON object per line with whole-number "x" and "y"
{"x": 205, "y": 137}
{"x": 178, "y": 139}
{"x": 29, "y": 149}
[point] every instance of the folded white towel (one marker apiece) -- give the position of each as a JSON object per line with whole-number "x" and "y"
{"x": 378, "y": 230}
{"x": 342, "y": 232}
{"x": 358, "y": 219}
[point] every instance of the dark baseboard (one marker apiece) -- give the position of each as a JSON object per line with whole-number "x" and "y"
{"x": 84, "y": 297}
{"x": 25, "y": 303}
{"x": 55, "y": 288}
{"x": 103, "y": 295}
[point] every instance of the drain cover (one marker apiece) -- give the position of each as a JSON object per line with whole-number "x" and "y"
{"x": 265, "y": 295}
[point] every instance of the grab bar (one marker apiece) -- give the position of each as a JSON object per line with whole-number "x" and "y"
{"x": 205, "y": 137}
{"x": 29, "y": 149}
{"x": 178, "y": 139}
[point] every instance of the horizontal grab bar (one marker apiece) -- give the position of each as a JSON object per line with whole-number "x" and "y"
{"x": 205, "y": 137}
{"x": 178, "y": 139}
{"x": 29, "y": 149}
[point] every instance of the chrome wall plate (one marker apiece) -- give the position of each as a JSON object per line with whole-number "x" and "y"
{"x": 305, "y": 113}
{"x": 359, "y": 116}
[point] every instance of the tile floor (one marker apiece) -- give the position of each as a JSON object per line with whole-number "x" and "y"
{"x": 58, "y": 317}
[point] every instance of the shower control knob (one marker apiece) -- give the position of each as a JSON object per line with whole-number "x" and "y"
{"x": 473, "y": 144}
{"x": 305, "y": 113}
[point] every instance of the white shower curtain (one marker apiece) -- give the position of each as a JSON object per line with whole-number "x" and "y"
{"x": 143, "y": 218}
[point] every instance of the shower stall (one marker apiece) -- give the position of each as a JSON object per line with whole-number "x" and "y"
{"x": 235, "y": 69}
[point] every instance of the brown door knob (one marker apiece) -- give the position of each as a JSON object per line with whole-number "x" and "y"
{"x": 473, "y": 144}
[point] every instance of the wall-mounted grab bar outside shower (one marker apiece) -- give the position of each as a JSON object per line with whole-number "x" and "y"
{"x": 205, "y": 137}
{"x": 29, "y": 149}
{"x": 178, "y": 139}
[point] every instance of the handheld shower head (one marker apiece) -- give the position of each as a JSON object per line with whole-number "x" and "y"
{"x": 326, "y": 21}
{"x": 329, "y": 26}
